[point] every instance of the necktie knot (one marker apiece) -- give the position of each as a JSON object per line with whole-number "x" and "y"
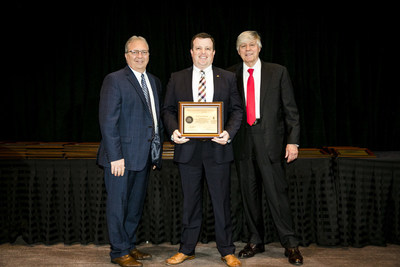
{"x": 250, "y": 71}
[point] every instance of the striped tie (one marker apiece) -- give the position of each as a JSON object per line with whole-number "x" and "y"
{"x": 202, "y": 88}
{"x": 146, "y": 95}
{"x": 146, "y": 92}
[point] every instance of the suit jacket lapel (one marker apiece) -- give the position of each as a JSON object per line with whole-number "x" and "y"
{"x": 155, "y": 93}
{"x": 264, "y": 84}
{"x": 239, "y": 77}
{"x": 188, "y": 91}
{"x": 132, "y": 79}
{"x": 217, "y": 87}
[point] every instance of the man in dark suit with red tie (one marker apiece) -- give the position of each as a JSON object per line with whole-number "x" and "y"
{"x": 131, "y": 129}
{"x": 269, "y": 133}
{"x": 211, "y": 157}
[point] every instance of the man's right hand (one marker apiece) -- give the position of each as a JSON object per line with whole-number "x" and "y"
{"x": 118, "y": 167}
{"x": 177, "y": 137}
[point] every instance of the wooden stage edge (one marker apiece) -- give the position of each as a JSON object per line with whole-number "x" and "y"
{"x": 88, "y": 150}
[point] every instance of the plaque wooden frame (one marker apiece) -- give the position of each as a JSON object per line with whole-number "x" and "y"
{"x": 195, "y": 107}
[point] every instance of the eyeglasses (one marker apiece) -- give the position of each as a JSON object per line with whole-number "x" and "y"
{"x": 136, "y": 52}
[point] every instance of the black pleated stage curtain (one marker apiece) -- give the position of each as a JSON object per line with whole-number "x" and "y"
{"x": 342, "y": 201}
{"x": 340, "y": 60}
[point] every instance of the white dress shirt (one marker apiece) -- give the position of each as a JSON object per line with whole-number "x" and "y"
{"x": 257, "y": 83}
{"x": 209, "y": 83}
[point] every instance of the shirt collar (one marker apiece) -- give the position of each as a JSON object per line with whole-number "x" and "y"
{"x": 137, "y": 74}
{"x": 206, "y": 70}
{"x": 256, "y": 66}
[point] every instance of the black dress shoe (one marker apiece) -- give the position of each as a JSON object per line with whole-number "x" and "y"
{"x": 250, "y": 250}
{"x": 294, "y": 256}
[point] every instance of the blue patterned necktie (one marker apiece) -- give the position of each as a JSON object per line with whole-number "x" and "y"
{"x": 146, "y": 93}
{"x": 155, "y": 148}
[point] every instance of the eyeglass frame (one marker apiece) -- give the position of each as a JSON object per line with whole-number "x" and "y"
{"x": 136, "y": 52}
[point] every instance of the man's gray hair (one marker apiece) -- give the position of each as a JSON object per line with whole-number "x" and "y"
{"x": 248, "y": 36}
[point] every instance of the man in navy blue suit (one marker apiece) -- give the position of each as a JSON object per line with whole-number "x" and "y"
{"x": 129, "y": 116}
{"x": 211, "y": 157}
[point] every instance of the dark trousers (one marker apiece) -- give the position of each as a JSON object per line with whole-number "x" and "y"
{"x": 218, "y": 182}
{"x": 255, "y": 173}
{"x": 125, "y": 198}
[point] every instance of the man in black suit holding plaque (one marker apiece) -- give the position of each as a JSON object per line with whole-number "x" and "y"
{"x": 212, "y": 156}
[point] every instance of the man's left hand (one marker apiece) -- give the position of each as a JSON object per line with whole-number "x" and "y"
{"x": 222, "y": 139}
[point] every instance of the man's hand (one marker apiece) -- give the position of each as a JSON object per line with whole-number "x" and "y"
{"x": 291, "y": 152}
{"x": 222, "y": 139}
{"x": 177, "y": 137}
{"x": 118, "y": 167}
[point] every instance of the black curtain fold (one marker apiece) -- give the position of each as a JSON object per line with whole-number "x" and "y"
{"x": 335, "y": 202}
{"x": 340, "y": 61}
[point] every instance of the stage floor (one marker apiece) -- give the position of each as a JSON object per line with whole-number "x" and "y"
{"x": 77, "y": 255}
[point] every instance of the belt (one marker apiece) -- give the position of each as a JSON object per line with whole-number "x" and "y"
{"x": 203, "y": 139}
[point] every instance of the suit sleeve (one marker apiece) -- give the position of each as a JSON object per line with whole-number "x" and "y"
{"x": 109, "y": 113}
{"x": 290, "y": 110}
{"x": 169, "y": 111}
{"x": 235, "y": 109}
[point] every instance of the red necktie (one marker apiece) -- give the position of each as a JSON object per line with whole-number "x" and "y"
{"x": 250, "y": 105}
